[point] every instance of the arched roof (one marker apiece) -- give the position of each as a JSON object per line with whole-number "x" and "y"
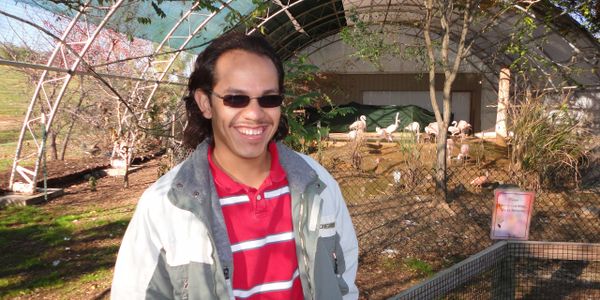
{"x": 291, "y": 26}
{"x": 294, "y": 25}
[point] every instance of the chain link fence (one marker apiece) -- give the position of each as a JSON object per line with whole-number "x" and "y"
{"x": 399, "y": 215}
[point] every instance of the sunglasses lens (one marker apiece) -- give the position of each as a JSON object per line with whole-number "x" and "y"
{"x": 270, "y": 100}
{"x": 237, "y": 101}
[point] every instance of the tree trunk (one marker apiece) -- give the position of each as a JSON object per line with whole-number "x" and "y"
{"x": 68, "y": 135}
{"x": 127, "y": 162}
{"x": 52, "y": 138}
{"x": 66, "y": 141}
{"x": 440, "y": 172}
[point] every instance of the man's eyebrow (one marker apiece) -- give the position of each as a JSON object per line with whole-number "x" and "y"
{"x": 242, "y": 92}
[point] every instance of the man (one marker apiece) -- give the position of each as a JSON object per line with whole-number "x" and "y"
{"x": 243, "y": 216}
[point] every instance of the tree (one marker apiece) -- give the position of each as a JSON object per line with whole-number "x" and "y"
{"x": 448, "y": 12}
{"x": 449, "y": 29}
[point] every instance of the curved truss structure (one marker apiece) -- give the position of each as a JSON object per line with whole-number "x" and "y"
{"x": 291, "y": 26}
{"x": 35, "y": 121}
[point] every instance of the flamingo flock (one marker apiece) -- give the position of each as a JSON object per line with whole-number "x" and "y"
{"x": 461, "y": 128}
{"x": 457, "y": 128}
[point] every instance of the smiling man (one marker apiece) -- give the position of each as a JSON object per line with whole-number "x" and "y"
{"x": 244, "y": 216}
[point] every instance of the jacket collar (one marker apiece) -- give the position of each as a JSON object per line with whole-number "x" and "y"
{"x": 299, "y": 173}
{"x": 195, "y": 181}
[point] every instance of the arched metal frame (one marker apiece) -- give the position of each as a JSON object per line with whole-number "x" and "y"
{"x": 291, "y": 25}
{"x": 144, "y": 93}
{"x": 45, "y": 119}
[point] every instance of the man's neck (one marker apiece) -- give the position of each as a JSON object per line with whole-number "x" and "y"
{"x": 251, "y": 172}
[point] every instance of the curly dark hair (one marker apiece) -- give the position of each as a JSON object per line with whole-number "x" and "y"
{"x": 203, "y": 77}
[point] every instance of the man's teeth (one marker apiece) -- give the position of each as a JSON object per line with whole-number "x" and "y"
{"x": 249, "y": 131}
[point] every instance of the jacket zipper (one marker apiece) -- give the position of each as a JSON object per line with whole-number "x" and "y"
{"x": 303, "y": 245}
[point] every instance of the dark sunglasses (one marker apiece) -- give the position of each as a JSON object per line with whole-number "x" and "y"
{"x": 239, "y": 101}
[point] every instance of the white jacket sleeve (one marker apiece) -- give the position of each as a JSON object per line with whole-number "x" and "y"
{"x": 349, "y": 244}
{"x": 139, "y": 254}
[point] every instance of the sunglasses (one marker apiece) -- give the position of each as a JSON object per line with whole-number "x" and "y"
{"x": 239, "y": 101}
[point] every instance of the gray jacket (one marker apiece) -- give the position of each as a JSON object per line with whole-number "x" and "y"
{"x": 176, "y": 245}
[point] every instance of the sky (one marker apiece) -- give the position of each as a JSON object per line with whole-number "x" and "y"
{"x": 11, "y": 29}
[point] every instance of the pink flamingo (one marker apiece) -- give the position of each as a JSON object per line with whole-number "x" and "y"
{"x": 481, "y": 180}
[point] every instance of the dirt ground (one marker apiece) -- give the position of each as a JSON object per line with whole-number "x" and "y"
{"x": 94, "y": 253}
{"x": 378, "y": 277}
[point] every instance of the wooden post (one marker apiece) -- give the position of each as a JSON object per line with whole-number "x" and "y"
{"x": 503, "y": 94}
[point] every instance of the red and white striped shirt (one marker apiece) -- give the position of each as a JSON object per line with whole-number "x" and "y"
{"x": 259, "y": 225}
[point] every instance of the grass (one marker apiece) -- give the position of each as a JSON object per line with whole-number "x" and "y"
{"x": 15, "y": 92}
{"x": 48, "y": 248}
{"x": 10, "y": 135}
{"x": 419, "y": 266}
{"x": 7, "y": 155}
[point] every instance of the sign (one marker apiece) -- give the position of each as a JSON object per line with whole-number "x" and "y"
{"x": 511, "y": 214}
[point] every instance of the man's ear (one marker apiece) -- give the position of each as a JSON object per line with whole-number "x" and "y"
{"x": 203, "y": 102}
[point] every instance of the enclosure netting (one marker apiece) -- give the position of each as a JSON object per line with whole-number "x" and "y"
{"x": 519, "y": 270}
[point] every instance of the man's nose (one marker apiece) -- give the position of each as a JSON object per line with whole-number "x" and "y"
{"x": 253, "y": 110}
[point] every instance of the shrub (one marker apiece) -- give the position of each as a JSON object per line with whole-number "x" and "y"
{"x": 547, "y": 144}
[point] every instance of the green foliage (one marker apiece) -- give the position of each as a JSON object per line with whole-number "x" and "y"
{"x": 370, "y": 45}
{"x": 419, "y": 266}
{"x": 548, "y": 144}
{"x": 302, "y": 92}
{"x": 144, "y": 20}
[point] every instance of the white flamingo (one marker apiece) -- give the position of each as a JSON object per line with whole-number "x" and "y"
{"x": 432, "y": 129}
{"x": 352, "y": 134}
{"x": 413, "y": 127}
{"x": 464, "y": 127}
{"x": 381, "y": 133}
{"x": 360, "y": 124}
{"x": 390, "y": 129}
{"x": 453, "y": 129}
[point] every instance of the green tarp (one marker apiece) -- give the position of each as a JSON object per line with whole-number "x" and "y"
{"x": 378, "y": 115}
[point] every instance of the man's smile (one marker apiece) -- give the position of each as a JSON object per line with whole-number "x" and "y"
{"x": 251, "y": 131}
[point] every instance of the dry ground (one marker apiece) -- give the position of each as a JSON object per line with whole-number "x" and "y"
{"x": 87, "y": 255}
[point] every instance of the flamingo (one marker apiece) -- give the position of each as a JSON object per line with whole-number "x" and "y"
{"x": 352, "y": 134}
{"x": 449, "y": 146}
{"x": 432, "y": 129}
{"x": 453, "y": 129}
{"x": 360, "y": 124}
{"x": 414, "y": 127}
{"x": 383, "y": 134}
{"x": 390, "y": 129}
{"x": 464, "y": 127}
{"x": 464, "y": 152}
{"x": 479, "y": 181}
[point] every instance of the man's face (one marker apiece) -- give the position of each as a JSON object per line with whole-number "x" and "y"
{"x": 241, "y": 132}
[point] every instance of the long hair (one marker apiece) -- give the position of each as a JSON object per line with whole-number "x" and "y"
{"x": 203, "y": 77}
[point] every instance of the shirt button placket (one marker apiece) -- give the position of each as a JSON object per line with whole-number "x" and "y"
{"x": 261, "y": 204}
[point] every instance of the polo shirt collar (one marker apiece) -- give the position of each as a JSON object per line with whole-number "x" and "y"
{"x": 230, "y": 186}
